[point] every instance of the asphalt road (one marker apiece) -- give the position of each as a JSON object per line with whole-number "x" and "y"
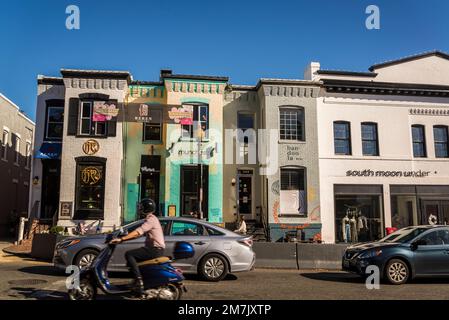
{"x": 23, "y": 278}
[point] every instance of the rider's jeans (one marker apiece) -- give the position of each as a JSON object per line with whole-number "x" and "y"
{"x": 141, "y": 254}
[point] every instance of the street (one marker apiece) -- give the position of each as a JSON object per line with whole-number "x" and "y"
{"x": 24, "y": 278}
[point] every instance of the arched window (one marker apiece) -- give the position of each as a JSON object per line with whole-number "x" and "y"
{"x": 440, "y": 137}
{"x": 370, "y": 143}
{"x": 342, "y": 138}
{"x": 291, "y": 123}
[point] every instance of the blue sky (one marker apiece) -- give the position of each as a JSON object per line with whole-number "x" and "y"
{"x": 244, "y": 40}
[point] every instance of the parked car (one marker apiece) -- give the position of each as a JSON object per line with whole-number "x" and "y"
{"x": 217, "y": 251}
{"x": 420, "y": 251}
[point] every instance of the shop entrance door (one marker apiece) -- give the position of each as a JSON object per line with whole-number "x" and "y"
{"x": 436, "y": 211}
{"x": 245, "y": 194}
{"x": 150, "y": 187}
{"x": 51, "y": 175}
{"x": 190, "y": 177}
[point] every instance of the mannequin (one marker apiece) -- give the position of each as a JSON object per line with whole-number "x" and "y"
{"x": 353, "y": 225}
{"x": 346, "y": 228}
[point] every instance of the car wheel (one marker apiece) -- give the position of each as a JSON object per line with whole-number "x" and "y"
{"x": 213, "y": 267}
{"x": 397, "y": 272}
{"x": 85, "y": 258}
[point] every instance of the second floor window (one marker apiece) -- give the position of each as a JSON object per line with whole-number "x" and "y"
{"x": 419, "y": 141}
{"x": 87, "y": 126}
{"x": 17, "y": 150}
{"x": 5, "y": 141}
{"x": 200, "y": 122}
{"x": 28, "y": 155}
{"x": 370, "y": 145}
{"x": 291, "y": 124}
{"x": 342, "y": 138}
{"x": 440, "y": 136}
{"x": 55, "y": 121}
{"x": 152, "y": 131}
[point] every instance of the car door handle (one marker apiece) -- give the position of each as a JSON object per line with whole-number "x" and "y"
{"x": 200, "y": 243}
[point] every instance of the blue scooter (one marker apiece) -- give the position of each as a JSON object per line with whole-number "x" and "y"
{"x": 161, "y": 280}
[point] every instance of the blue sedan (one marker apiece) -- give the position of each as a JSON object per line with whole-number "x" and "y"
{"x": 420, "y": 251}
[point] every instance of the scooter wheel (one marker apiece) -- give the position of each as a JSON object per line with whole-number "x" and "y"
{"x": 86, "y": 291}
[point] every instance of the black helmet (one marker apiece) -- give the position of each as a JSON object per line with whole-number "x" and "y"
{"x": 147, "y": 205}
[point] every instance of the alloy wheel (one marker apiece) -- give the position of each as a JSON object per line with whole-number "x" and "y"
{"x": 86, "y": 260}
{"x": 397, "y": 272}
{"x": 214, "y": 267}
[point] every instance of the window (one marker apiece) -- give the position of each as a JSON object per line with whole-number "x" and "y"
{"x": 436, "y": 238}
{"x": 214, "y": 232}
{"x": 245, "y": 121}
{"x": 440, "y": 135}
{"x": 28, "y": 155}
{"x": 90, "y": 190}
{"x": 186, "y": 229}
{"x": 17, "y": 150}
{"x": 200, "y": 120}
{"x": 370, "y": 145}
{"x": 292, "y": 124}
{"x": 419, "y": 141}
{"x": 55, "y": 121}
{"x": 5, "y": 141}
{"x": 293, "y": 192}
{"x": 152, "y": 131}
{"x": 342, "y": 138}
{"x": 87, "y": 125}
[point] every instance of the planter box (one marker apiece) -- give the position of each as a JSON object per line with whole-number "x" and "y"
{"x": 43, "y": 246}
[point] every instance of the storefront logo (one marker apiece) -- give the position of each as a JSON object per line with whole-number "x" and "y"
{"x": 104, "y": 112}
{"x": 182, "y": 115}
{"x": 90, "y": 176}
{"x": 91, "y": 147}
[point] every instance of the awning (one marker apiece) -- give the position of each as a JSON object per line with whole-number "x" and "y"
{"x": 49, "y": 150}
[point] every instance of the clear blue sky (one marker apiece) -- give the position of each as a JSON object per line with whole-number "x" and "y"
{"x": 244, "y": 40}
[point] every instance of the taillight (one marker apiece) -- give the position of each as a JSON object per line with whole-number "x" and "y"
{"x": 247, "y": 242}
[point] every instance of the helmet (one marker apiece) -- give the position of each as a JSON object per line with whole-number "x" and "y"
{"x": 147, "y": 205}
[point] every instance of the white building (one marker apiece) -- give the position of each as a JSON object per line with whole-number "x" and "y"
{"x": 383, "y": 147}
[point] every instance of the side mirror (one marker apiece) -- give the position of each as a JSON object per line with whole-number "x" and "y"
{"x": 417, "y": 243}
{"x": 123, "y": 232}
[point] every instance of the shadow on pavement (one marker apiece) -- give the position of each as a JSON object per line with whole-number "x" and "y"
{"x": 39, "y": 294}
{"x": 43, "y": 270}
{"x": 334, "y": 277}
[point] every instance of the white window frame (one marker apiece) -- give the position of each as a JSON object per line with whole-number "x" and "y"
{"x": 5, "y": 141}
{"x": 28, "y": 154}
{"x": 292, "y": 137}
{"x": 81, "y": 118}
{"x": 17, "y": 149}
{"x": 191, "y": 133}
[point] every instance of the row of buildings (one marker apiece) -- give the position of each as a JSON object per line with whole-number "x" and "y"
{"x": 338, "y": 155}
{"x": 16, "y": 146}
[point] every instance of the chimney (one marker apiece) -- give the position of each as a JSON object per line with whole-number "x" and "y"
{"x": 310, "y": 72}
{"x": 165, "y": 72}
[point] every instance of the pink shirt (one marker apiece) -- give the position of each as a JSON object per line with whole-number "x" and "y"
{"x": 153, "y": 231}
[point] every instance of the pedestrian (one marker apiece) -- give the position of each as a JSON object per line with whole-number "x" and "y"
{"x": 242, "y": 226}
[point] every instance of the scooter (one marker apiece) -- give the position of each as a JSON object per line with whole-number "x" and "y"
{"x": 161, "y": 280}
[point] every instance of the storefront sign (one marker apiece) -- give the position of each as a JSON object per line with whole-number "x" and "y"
{"x": 172, "y": 211}
{"x": 91, "y": 147}
{"x": 182, "y": 115}
{"x": 90, "y": 175}
{"x": 66, "y": 209}
{"x": 389, "y": 174}
{"x": 104, "y": 112}
{"x": 141, "y": 112}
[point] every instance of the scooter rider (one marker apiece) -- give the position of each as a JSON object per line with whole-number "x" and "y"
{"x": 154, "y": 243}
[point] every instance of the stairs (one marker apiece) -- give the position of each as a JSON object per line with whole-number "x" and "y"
{"x": 256, "y": 230}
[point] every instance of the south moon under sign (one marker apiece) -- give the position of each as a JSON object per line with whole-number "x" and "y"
{"x": 389, "y": 173}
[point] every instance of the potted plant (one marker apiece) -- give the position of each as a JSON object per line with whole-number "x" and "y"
{"x": 43, "y": 245}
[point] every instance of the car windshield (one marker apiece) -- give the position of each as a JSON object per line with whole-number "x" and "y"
{"x": 404, "y": 235}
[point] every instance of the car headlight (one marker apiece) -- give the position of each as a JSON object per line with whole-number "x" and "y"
{"x": 67, "y": 243}
{"x": 370, "y": 254}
